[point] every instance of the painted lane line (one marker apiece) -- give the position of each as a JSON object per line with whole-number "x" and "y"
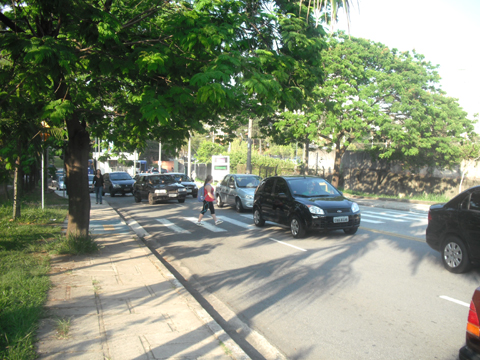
{"x": 137, "y": 228}
{"x": 248, "y": 216}
{"x": 238, "y": 223}
{"x": 206, "y": 225}
{"x": 284, "y": 243}
{"x": 372, "y": 221}
{"x": 454, "y": 300}
{"x": 172, "y": 226}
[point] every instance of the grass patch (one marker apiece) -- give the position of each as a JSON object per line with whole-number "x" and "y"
{"x": 62, "y": 327}
{"x": 25, "y": 245}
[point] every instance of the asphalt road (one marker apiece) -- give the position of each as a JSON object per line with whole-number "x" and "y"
{"x": 381, "y": 293}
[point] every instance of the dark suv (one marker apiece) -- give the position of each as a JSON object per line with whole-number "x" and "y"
{"x": 118, "y": 182}
{"x": 156, "y": 187}
{"x": 304, "y": 203}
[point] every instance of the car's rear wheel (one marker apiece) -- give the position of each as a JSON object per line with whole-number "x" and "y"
{"x": 238, "y": 205}
{"x": 297, "y": 227}
{"x": 257, "y": 218}
{"x": 220, "y": 203}
{"x": 454, "y": 255}
{"x": 351, "y": 231}
{"x": 151, "y": 201}
{"x": 181, "y": 200}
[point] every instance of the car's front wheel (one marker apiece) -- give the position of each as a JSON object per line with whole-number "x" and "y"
{"x": 454, "y": 255}
{"x": 151, "y": 200}
{"x": 238, "y": 205}
{"x": 257, "y": 218}
{"x": 112, "y": 194}
{"x": 297, "y": 227}
{"x": 220, "y": 203}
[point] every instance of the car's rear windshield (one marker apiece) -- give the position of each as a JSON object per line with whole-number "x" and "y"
{"x": 312, "y": 187}
{"x": 248, "y": 181}
{"x": 120, "y": 176}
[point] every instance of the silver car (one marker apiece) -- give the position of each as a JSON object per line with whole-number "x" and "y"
{"x": 237, "y": 190}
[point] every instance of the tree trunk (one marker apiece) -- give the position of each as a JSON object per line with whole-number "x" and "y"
{"x": 336, "y": 167}
{"x": 76, "y": 178}
{"x": 17, "y": 183}
{"x": 249, "y": 147}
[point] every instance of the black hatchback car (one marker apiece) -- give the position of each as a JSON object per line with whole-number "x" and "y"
{"x": 119, "y": 182}
{"x": 304, "y": 203}
{"x": 156, "y": 187}
{"x": 454, "y": 230}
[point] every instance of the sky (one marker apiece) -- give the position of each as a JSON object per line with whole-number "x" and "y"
{"x": 446, "y": 32}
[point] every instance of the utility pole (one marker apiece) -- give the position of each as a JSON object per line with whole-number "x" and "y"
{"x": 160, "y": 157}
{"x": 249, "y": 146}
{"x": 189, "y": 172}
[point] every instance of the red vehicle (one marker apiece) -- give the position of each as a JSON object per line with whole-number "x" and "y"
{"x": 471, "y": 350}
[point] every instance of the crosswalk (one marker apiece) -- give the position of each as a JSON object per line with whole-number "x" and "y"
{"x": 245, "y": 221}
{"x": 394, "y": 216}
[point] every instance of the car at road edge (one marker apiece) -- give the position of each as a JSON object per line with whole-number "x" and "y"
{"x": 454, "y": 230}
{"x": 471, "y": 349}
{"x": 118, "y": 182}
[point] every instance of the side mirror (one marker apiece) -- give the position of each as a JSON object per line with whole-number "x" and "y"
{"x": 231, "y": 186}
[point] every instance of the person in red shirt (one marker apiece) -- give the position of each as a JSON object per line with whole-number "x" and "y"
{"x": 208, "y": 202}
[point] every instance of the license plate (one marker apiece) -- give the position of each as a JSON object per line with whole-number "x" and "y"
{"x": 189, "y": 190}
{"x": 340, "y": 219}
{"x": 172, "y": 195}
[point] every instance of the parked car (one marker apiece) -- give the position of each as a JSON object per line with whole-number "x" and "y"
{"x": 454, "y": 230}
{"x": 304, "y": 203}
{"x": 189, "y": 184}
{"x": 91, "y": 188}
{"x": 119, "y": 182}
{"x": 237, "y": 190}
{"x": 59, "y": 184}
{"x": 158, "y": 187}
{"x": 471, "y": 350}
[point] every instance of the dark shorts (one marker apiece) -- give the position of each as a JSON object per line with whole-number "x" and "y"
{"x": 207, "y": 205}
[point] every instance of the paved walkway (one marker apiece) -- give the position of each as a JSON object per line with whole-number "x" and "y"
{"x": 123, "y": 303}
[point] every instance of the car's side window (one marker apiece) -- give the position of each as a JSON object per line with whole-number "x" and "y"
{"x": 268, "y": 188}
{"x": 475, "y": 201}
{"x": 231, "y": 181}
{"x": 225, "y": 181}
{"x": 281, "y": 187}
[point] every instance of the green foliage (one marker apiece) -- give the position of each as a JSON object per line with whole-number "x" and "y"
{"x": 380, "y": 96}
{"x": 207, "y": 150}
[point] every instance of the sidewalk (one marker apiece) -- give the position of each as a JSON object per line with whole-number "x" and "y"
{"x": 123, "y": 303}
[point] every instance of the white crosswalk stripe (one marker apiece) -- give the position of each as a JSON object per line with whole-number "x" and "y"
{"x": 172, "y": 226}
{"x": 238, "y": 223}
{"x": 206, "y": 225}
{"x": 398, "y": 217}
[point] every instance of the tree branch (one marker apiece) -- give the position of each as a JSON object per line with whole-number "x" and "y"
{"x": 9, "y": 23}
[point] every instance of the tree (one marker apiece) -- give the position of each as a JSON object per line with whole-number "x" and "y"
{"x": 374, "y": 95}
{"x": 207, "y": 150}
{"x": 133, "y": 71}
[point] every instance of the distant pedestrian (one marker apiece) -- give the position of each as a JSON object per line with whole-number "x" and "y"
{"x": 209, "y": 192}
{"x": 98, "y": 183}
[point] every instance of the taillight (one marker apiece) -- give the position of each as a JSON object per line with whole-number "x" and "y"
{"x": 429, "y": 216}
{"x": 473, "y": 325}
